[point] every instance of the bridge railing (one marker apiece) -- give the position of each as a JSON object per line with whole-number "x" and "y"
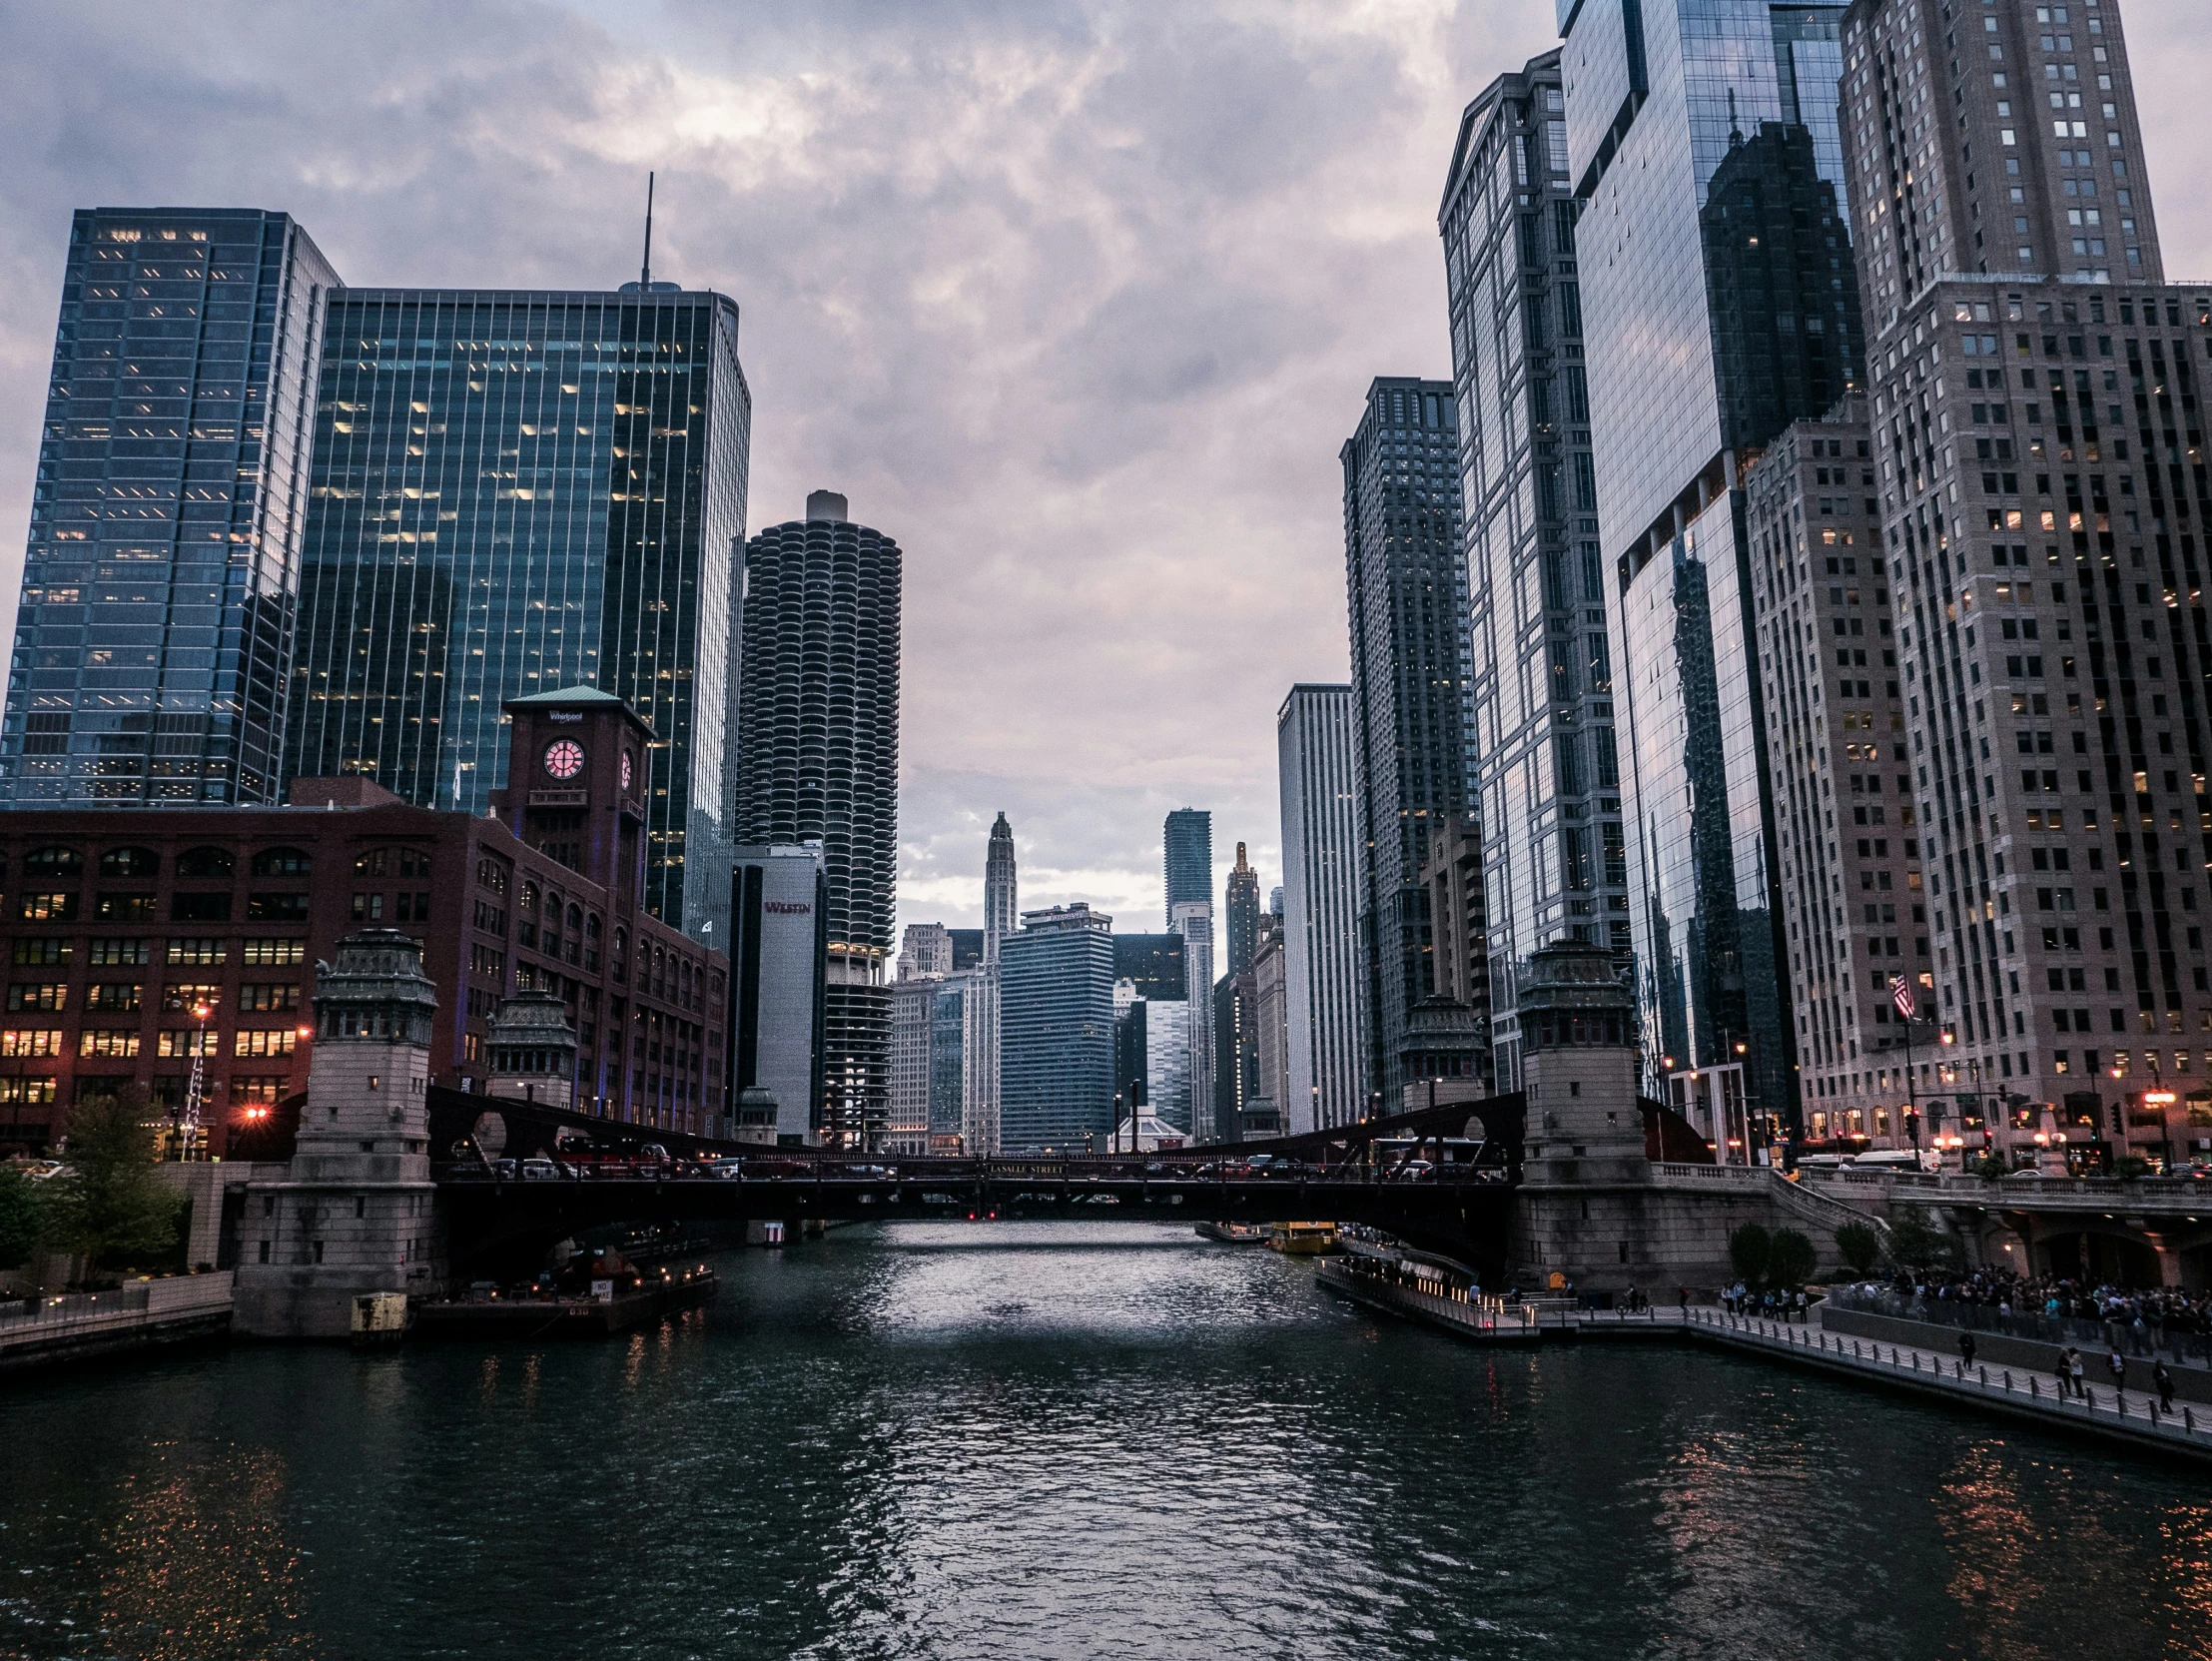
{"x": 2162, "y": 1192}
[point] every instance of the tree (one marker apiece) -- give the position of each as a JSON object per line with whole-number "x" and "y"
{"x": 112, "y": 1209}
{"x": 1749, "y": 1248}
{"x": 22, "y": 1216}
{"x": 1917, "y": 1244}
{"x": 1790, "y": 1258}
{"x": 1860, "y": 1247}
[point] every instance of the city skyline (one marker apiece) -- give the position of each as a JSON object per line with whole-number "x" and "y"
{"x": 932, "y": 439}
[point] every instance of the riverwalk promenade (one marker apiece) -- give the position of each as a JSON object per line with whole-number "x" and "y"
{"x": 2129, "y": 1417}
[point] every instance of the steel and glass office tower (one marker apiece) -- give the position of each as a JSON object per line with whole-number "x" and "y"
{"x": 818, "y": 757}
{"x": 1663, "y": 96}
{"x": 154, "y": 633}
{"x": 515, "y": 492}
{"x": 1055, "y": 1068}
{"x": 1317, "y": 782}
{"x": 1555, "y": 857}
{"x": 1405, "y": 578}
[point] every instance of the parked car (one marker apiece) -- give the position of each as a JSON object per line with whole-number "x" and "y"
{"x": 872, "y": 1173}
{"x": 539, "y": 1169}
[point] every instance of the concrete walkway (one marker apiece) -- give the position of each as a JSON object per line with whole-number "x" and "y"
{"x": 2125, "y": 1415}
{"x": 2128, "y": 1418}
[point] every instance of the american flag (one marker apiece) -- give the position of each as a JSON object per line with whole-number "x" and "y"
{"x": 1900, "y": 994}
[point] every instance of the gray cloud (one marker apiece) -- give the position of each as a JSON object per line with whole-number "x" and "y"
{"x": 1076, "y": 300}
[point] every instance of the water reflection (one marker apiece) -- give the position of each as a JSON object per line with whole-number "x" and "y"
{"x": 984, "y": 1444}
{"x": 196, "y": 1564}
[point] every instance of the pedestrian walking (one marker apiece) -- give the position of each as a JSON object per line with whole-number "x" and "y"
{"x": 2081, "y": 1391}
{"x": 1683, "y": 1292}
{"x": 2165, "y": 1382}
{"x": 2116, "y": 1363}
{"x": 1967, "y": 1348}
{"x": 2064, "y": 1372}
{"x": 1801, "y": 1305}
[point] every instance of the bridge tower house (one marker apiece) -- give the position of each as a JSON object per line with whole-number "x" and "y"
{"x": 354, "y": 1212}
{"x": 1582, "y": 1210}
{"x": 534, "y": 1050}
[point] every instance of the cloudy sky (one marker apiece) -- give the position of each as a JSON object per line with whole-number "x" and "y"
{"x": 1075, "y": 299}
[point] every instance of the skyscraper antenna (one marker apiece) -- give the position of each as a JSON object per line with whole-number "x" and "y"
{"x": 646, "y": 270}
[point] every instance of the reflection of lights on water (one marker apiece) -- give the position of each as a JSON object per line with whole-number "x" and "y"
{"x": 195, "y": 1563}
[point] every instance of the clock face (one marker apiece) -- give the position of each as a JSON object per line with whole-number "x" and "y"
{"x": 564, "y": 758}
{"x": 625, "y": 769}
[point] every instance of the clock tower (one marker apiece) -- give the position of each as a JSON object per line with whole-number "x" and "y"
{"x": 577, "y": 771}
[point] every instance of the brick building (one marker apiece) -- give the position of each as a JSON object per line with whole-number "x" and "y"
{"x": 138, "y": 942}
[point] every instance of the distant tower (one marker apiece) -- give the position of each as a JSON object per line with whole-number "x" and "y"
{"x": 1193, "y": 920}
{"x": 982, "y": 1118}
{"x": 924, "y": 949}
{"x": 1406, "y": 579}
{"x": 1188, "y": 841}
{"x": 534, "y": 1050}
{"x": 352, "y": 1214}
{"x": 999, "y": 915}
{"x": 818, "y": 748}
{"x": 1243, "y": 915}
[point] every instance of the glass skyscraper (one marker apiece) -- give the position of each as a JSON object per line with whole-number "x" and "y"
{"x": 1555, "y": 860}
{"x": 1412, "y": 665}
{"x": 1056, "y": 1026}
{"x": 155, "y": 632}
{"x": 515, "y": 492}
{"x": 1661, "y": 96}
{"x": 1187, "y": 838}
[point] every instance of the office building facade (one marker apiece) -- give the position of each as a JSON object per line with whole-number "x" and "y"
{"x": 1659, "y": 98}
{"x": 817, "y": 759}
{"x": 924, "y": 949}
{"x": 1055, "y": 1032}
{"x": 1554, "y": 855}
{"x": 779, "y": 949}
{"x": 2034, "y": 398}
{"x": 174, "y": 945}
{"x": 1324, "y": 1002}
{"x": 1854, "y": 903}
{"x": 1412, "y": 668}
{"x": 1153, "y": 963}
{"x": 1193, "y": 920}
{"x": 515, "y": 492}
{"x": 913, "y": 1030}
{"x": 154, "y": 634}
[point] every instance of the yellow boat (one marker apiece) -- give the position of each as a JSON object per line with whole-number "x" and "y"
{"x": 1302, "y": 1240}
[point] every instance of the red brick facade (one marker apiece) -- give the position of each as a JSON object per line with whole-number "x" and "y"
{"x": 117, "y": 926}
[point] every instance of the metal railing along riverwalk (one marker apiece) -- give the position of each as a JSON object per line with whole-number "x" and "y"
{"x": 2021, "y": 1393}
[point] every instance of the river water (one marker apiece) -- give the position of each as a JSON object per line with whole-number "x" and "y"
{"x": 1037, "y": 1441}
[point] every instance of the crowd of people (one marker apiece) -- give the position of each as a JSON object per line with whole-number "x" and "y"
{"x": 2141, "y": 1321}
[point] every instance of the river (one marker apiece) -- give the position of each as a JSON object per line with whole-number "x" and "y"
{"x": 1025, "y": 1442}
